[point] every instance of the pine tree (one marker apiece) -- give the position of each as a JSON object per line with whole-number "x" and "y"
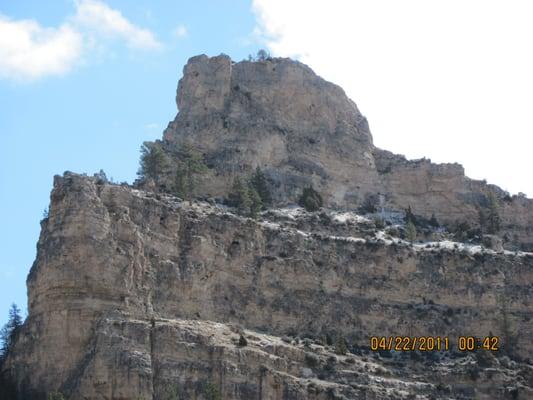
{"x": 410, "y": 231}
{"x": 256, "y": 204}
{"x": 190, "y": 164}
{"x": 15, "y": 319}
{"x": 310, "y": 199}
{"x": 239, "y": 196}
{"x": 340, "y": 346}
{"x": 4, "y": 343}
{"x": 433, "y": 221}
{"x": 153, "y": 161}
{"x": 170, "y": 392}
{"x": 493, "y": 215}
{"x": 260, "y": 184}
{"x": 180, "y": 183}
{"x": 10, "y": 330}
{"x": 409, "y": 216}
{"x": 262, "y": 55}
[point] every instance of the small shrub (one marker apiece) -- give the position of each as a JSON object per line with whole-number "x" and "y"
{"x": 340, "y": 346}
{"x": 433, "y": 221}
{"x": 370, "y": 204}
{"x": 55, "y": 396}
{"x": 310, "y": 199}
{"x": 242, "y": 341}
{"x": 473, "y": 373}
{"x": 484, "y": 358}
{"x": 170, "y": 392}
{"x": 311, "y": 360}
{"x": 212, "y": 392}
{"x": 379, "y": 222}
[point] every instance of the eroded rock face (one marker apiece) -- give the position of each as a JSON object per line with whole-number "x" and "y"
{"x": 301, "y": 130}
{"x": 137, "y": 295}
{"x": 121, "y": 274}
{"x": 275, "y": 114}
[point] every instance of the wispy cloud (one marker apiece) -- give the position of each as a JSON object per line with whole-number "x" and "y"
{"x": 180, "y": 31}
{"x": 98, "y": 17}
{"x": 30, "y": 51}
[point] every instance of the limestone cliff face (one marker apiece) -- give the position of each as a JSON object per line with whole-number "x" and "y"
{"x": 278, "y": 115}
{"x": 302, "y": 130}
{"x": 133, "y": 292}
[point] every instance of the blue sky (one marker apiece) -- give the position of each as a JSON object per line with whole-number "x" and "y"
{"x": 84, "y": 82}
{"x": 98, "y": 112}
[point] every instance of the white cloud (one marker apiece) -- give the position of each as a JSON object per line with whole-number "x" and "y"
{"x": 180, "y": 31}
{"x": 30, "y": 51}
{"x": 98, "y": 17}
{"x": 448, "y": 80}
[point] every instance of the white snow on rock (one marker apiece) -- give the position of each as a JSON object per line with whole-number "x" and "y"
{"x": 294, "y": 212}
{"x": 344, "y": 217}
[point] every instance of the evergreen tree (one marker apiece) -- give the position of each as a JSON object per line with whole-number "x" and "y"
{"x": 493, "y": 221}
{"x": 10, "y": 330}
{"x": 212, "y": 392}
{"x": 255, "y": 202}
{"x": 262, "y": 55}
{"x": 4, "y": 343}
{"x": 170, "y": 392}
{"x": 242, "y": 341}
{"x": 153, "y": 161}
{"x": 409, "y": 216}
{"x": 433, "y": 221}
{"x": 410, "y": 231}
{"x": 180, "y": 183}
{"x": 310, "y": 199}
{"x": 239, "y": 196}
{"x": 260, "y": 184}
{"x": 340, "y": 346}
{"x": 190, "y": 164}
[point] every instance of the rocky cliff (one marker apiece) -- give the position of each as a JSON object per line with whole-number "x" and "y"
{"x": 133, "y": 292}
{"x": 136, "y": 294}
{"x": 301, "y": 130}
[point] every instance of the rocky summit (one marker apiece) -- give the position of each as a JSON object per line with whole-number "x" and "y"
{"x": 164, "y": 291}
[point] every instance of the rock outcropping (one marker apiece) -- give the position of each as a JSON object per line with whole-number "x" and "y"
{"x": 136, "y": 294}
{"x": 301, "y": 130}
{"x": 133, "y": 292}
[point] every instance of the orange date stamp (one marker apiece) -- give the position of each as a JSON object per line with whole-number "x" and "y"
{"x": 433, "y": 343}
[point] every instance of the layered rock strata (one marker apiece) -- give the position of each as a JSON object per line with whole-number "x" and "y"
{"x": 133, "y": 291}
{"x": 302, "y": 130}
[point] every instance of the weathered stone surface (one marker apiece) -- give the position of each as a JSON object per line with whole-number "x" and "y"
{"x": 120, "y": 273}
{"x": 302, "y": 130}
{"x": 275, "y": 114}
{"x": 135, "y": 294}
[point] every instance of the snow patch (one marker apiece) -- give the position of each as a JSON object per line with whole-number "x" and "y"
{"x": 344, "y": 217}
